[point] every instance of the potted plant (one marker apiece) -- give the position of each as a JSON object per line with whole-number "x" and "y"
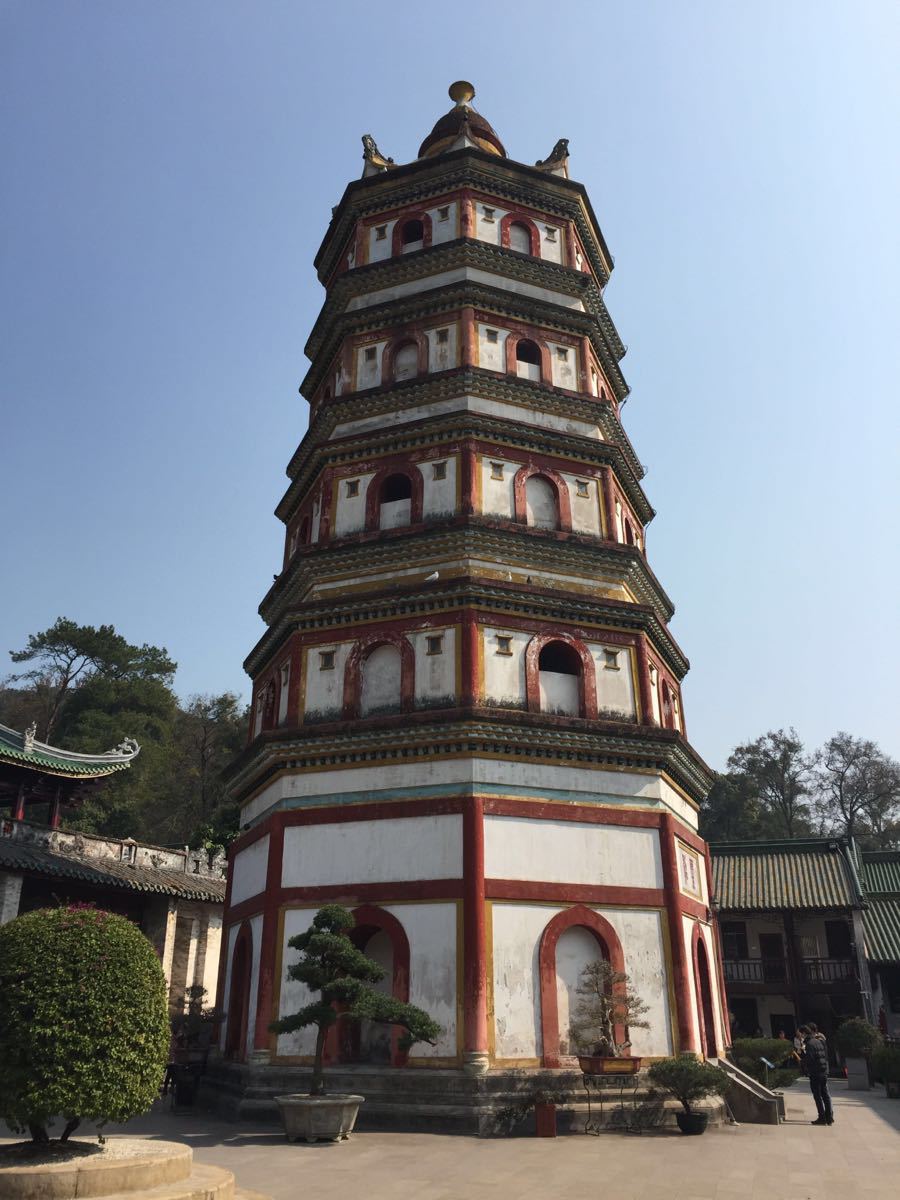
{"x": 858, "y": 1040}
{"x": 886, "y": 1065}
{"x": 688, "y": 1080}
{"x": 605, "y": 1013}
{"x": 333, "y": 966}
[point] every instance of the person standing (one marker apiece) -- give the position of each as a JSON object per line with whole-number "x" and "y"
{"x": 815, "y": 1059}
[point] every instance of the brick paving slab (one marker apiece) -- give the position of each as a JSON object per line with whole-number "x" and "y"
{"x": 858, "y": 1158}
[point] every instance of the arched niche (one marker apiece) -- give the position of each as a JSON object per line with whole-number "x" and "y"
{"x": 239, "y": 995}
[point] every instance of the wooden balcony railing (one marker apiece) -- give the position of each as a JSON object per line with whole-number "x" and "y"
{"x": 812, "y": 972}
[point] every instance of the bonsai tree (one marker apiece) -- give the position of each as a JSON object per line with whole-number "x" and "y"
{"x": 84, "y": 1025}
{"x": 331, "y": 965}
{"x": 857, "y": 1038}
{"x": 605, "y": 1002}
{"x": 689, "y": 1080}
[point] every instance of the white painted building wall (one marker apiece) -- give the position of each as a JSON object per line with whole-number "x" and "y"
{"x": 492, "y": 353}
{"x": 564, "y": 365}
{"x": 442, "y": 355}
{"x": 380, "y": 687}
{"x": 439, "y": 495}
{"x": 576, "y": 949}
{"x": 551, "y": 242}
{"x": 324, "y": 689}
{"x": 373, "y": 851}
{"x": 435, "y": 673}
{"x": 615, "y": 685}
{"x": 571, "y": 852}
{"x": 368, "y": 365}
{"x": 487, "y": 227}
{"x": 498, "y": 494}
{"x": 350, "y": 511}
{"x": 516, "y": 936}
{"x": 248, "y": 871}
{"x": 394, "y": 514}
{"x": 504, "y": 674}
{"x": 380, "y": 247}
{"x": 444, "y": 228}
{"x": 541, "y": 503}
{"x": 585, "y": 508}
{"x": 560, "y": 693}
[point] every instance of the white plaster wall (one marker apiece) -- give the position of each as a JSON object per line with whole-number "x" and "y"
{"x": 560, "y": 693}
{"x": 324, "y": 690}
{"x": 575, "y": 950}
{"x": 248, "y": 871}
{"x": 432, "y": 933}
{"x": 504, "y": 674}
{"x": 394, "y": 514}
{"x": 494, "y": 408}
{"x": 615, "y": 686}
{"x": 435, "y": 673}
{"x": 498, "y": 495}
{"x": 256, "y": 924}
{"x": 517, "y": 930}
{"x": 492, "y": 355}
{"x": 564, "y": 370}
{"x": 294, "y": 995}
{"x": 446, "y": 230}
{"x": 316, "y": 519}
{"x": 373, "y": 851}
{"x": 571, "y": 852}
{"x": 368, "y": 373}
{"x": 442, "y": 356}
{"x": 439, "y": 495}
{"x": 380, "y": 249}
{"x": 692, "y": 886}
{"x": 562, "y": 781}
{"x": 380, "y": 680}
{"x": 374, "y": 1037}
{"x": 350, "y": 511}
{"x": 551, "y": 242}
{"x": 585, "y": 509}
{"x": 488, "y": 230}
{"x": 527, "y": 370}
{"x": 210, "y": 975}
{"x": 541, "y": 503}
{"x": 709, "y": 941}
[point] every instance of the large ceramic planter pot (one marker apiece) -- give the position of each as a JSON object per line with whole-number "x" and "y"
{"x": 318, "y": 1118}
{"x": 892, "y": 1089}
{"x": 599, "y": 1064}
{"x": 692, "y": 1122}
{"x": 858, "y": 1074}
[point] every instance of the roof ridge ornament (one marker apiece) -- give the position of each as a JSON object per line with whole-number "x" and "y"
{"x": 29, "y": 735}
{"x": 461, "y": 93}
{"x": 557, "y": 161}
{"x": 375, "y": 161}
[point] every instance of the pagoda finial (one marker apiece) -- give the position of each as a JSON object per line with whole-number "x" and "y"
{"x": 461, "y": 93}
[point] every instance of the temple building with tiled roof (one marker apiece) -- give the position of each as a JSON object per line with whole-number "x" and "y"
{"x": 879, "y": 872}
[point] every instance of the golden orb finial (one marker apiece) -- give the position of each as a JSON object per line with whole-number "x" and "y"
{"x": 461, "y": 92}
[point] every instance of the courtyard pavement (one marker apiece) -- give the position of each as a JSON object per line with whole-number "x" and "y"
{"x": 858, "y": 1158}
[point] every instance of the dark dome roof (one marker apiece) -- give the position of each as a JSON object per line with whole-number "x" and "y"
{"x": 461, "y": 119}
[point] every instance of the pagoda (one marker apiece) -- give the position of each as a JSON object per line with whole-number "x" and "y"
{"x": 467, "y": 724}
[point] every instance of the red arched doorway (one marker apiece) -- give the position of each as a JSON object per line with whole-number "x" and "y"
{"x": 703, "y": 992}
{"x": 239, "y": 995}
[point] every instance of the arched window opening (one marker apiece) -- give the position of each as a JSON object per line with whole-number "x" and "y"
{"x": 406, "y": 362}
{"x": 528, "y": 360}
{"x": 520, "y": 238}
{"x": 559, "y": 673}
{"x": 577, "y": 948}
{"x": 238, "y": 999}
{"x": 667, "y": 713}
{"x": 541, "y": 503}
{"x": 704, "y": 998}
{"x": 303, "y": 538}
{"x": 371, "y": 1041}
{"x": 629, "y": 533}
{"x": 412, "y": 237}
{"x": 380, "y": 689}
{"x": 395, "y": 502}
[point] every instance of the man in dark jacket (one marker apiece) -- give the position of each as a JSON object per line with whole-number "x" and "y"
{"x": 815, "y": 1060}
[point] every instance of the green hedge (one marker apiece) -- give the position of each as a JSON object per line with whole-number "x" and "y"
{"x": 857, "y": 1038}
{"x": 84, "y": 1028}
{"x": 747, "y": 1053}
{"x": 886, "y": 1064}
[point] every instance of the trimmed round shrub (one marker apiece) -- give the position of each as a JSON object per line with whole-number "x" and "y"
{"x": 689, "y": 1080}
{"x": 886, "y": 1064}
{"x": 84, "y": 1028}
{"x": 857, "y": 1038}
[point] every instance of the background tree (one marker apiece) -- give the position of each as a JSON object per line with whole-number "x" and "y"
{"x": 732, "y": 811}
{"x": 778, "y": 772}
{"x": 858, "y": 789}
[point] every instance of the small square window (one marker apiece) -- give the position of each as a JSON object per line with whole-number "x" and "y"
{"x": 496, "y": 470}
{"x": 504, "y": 643}
{"x": 352, "y": 486}
{"x": 326, "y": 660}
{"x": 439, "y": 470}
{"x": 492, "y": 335}
{"x": 581, "y": 487}
{"x": 562, "y": 352}
{"x": 488, "y": 213}
{"x": 371, "y": 353}
{"x": 380, "y": 233}
{"x": 435, "y": 644}
{"x": 443, "y": 336}
{"x": 444, "y": 213}
{"x": 611, "y": 660}
{"x": 550, "y": 233}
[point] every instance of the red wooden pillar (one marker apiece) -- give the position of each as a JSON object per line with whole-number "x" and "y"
{"x": 475, "y": 1039}
{"x": 609, "y": 497}
{"x": 55, "y": 809}
{"x": 265, "y": 996}
{"x": 644, "y": 685}
{"x": 469, "y": 661}
{"x": 717, "y": 932}
{"x": 468, "y": 336}
{"x": 467, "y": 480}
{"x": 680, "y": 967}
{"x": 586, "y": 365}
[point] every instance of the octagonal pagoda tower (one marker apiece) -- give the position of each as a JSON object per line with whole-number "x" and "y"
{"x": 467, "y": 719}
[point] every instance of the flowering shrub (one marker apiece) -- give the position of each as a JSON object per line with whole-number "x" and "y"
{"x": 84, "y": 1029}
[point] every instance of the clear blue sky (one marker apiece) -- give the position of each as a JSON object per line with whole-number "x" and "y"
{"x": 168, "y": 173}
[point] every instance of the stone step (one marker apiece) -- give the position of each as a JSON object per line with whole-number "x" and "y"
{"x": 204, "y": 1183}
{"x": 100, "y": 1176}
{"x": 248, "y": 1194}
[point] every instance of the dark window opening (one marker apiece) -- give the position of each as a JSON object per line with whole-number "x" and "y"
{"x": 528, "y": 352}
{"x": 734, "y": 939}
{"x": 559, "y": 657}
{"x": 413, "y": 231}
{"x": 396, "y": 487}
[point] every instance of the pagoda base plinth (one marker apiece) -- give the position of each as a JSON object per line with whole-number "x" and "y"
{"x": 439, "y": 1100}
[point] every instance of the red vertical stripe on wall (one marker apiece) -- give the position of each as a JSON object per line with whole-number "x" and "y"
{"x": 474, "y": 965}
{"x": 680, "y": 968}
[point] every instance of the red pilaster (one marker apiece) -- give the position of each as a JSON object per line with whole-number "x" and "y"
{"x": 475, "y": 1043}
{"x": 467, "y": 481}
{"x": 469, "y": 661}
{"x": 644, "y": 685}
{"x": 609, "y": 497}
{"x": 585, "y": 363}
{"x": 468, "y": 336}
{"x": 265, "y": 996}
{"x": 717, "y": 932}
{"x": 680, "y": 968}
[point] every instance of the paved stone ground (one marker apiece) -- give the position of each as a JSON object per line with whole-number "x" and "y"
{"x": 858, "y": 1158}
